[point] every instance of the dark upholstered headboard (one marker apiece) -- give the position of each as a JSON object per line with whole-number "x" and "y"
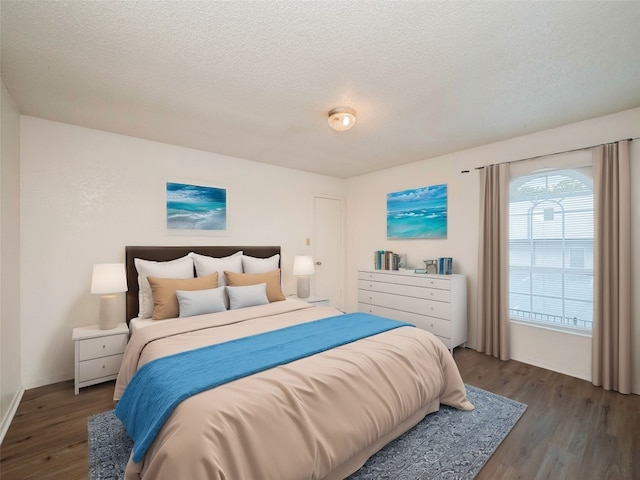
{"x": 163, "y": 254}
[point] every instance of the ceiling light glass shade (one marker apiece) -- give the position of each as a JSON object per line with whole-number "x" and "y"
{"x": 342, "y": 118}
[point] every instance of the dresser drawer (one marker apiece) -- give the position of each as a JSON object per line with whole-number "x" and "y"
{"x": 418, "y": 280}
{"x": 447, "y": 342}
{"x": 400, "y": 315}
{"x": 99, "y": 367}
{"x": 406, "y": 290}
{"x": 437, "y": 326}
{"x": 101, "y": 347}
{"x": 421, "y": 306}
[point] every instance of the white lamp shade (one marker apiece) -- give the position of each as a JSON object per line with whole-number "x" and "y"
{"x": 108, "y": 278}
{"x": 303, "y": 265}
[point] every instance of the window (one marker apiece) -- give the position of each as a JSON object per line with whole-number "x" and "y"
{"x": 551, "y": 249}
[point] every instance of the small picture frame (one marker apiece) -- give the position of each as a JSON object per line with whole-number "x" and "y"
{"x": 431, "y": 266}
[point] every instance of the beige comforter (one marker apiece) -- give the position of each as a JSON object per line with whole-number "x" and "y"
{"x": 319, "y": 417}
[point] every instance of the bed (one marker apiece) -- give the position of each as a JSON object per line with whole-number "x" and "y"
{"x": 316, "y": 416}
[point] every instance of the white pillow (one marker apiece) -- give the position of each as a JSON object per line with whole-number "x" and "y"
{"x": 260, "y": 265}
{"x": 206, "y": 265}
{"x": 199, "y": 302}
{"x": 247, "y": 296}
{"x": 178, "y": 268}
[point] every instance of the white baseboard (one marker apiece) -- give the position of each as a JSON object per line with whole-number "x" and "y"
{"x": 635, "y": 389}
{"x": 552, "y": 368}
{"x": 13, "y": 408}
{"x": 41, "y": 382}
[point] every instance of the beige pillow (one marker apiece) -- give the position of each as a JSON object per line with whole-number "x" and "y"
{"x": 165, "y": 301}
{"x": 272, "y": 279}
{"x": 178, "y": 268}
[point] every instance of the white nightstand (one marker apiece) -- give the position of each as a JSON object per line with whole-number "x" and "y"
{"x": 98, "y": 353}
{"x": 319, "y": 301}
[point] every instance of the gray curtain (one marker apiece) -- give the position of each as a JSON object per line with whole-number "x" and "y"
{"x": 493, "y": 262}
{"x": 611, "y": 349}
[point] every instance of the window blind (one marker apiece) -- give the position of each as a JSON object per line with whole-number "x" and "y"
{"x": 551, "y": 248}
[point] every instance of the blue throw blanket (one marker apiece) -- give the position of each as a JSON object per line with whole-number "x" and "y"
{"x": 160, "y": 385}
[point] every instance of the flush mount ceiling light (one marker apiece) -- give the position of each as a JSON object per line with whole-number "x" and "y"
{"x": 342, "y": 118}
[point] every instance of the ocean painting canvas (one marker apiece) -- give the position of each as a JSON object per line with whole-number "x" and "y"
{"x": 418, "y": 213}
{"x": 196, "y": 207}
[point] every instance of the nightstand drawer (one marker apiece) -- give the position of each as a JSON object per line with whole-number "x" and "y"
{"x": 101, "y": 347}
{"x": 99, "y": 367}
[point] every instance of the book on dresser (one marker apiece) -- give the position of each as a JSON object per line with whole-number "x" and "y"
{"x": 437, "y": 303}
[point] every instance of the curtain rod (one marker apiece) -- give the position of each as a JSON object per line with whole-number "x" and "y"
{"x": 550, "y": 154}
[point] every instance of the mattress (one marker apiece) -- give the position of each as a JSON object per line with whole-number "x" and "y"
{"x": 137, "y": 323}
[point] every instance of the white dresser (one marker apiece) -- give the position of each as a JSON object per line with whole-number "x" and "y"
{"x": 437, "y": 303}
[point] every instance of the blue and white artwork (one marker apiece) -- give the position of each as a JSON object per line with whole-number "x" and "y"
{"x": 196, "y": 207}
{"x": 418, "y": 213}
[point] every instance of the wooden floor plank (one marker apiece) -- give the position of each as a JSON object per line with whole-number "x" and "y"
{"x": 571, "y": 429}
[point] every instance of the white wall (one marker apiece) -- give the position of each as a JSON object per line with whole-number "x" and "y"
{"x": 87, "y": 193}
{"x": 366, "y": 228}
{"x": 10, "y": 358}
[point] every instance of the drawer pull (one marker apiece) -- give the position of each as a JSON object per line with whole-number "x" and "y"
{"x": 104, "y": 366}
{"x": 104, "y": 346}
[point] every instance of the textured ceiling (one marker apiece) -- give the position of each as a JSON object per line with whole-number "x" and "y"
{"x": 255, "y": 80}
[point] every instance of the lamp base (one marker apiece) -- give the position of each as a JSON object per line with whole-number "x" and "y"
{"x": 108, "y": 318}
{"x": 304, "y": 290}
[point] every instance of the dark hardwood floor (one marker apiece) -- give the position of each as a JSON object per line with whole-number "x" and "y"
{"x": 48, "y": 436}
{"x": 571, "y": 429}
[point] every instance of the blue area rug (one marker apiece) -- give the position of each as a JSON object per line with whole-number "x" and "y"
{"x": 448, "y": 444}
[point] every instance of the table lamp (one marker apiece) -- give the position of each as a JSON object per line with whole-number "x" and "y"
{"x": 107, "y": 280}
{"x": 303, "y": 268}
